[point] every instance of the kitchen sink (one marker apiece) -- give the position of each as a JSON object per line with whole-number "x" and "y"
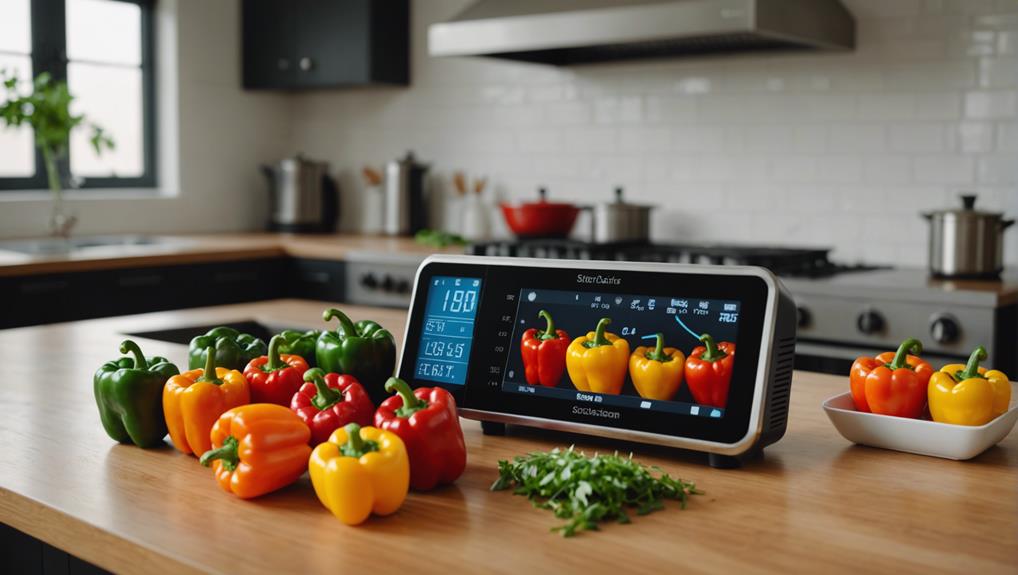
{"x": 56, "y": 246}
{"x": 184, "y": 335}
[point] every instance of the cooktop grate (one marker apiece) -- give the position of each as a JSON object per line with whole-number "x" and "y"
{"x": 783, "y": 261}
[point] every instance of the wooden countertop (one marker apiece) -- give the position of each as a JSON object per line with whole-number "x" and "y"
{"x": 213, "y": 248}
{"x": 814, "y": 502}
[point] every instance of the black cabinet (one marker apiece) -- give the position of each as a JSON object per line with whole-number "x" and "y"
{"x": 317, "y": 279}
{"x": 298, "y": 44}
{"x": 49, "y": 298}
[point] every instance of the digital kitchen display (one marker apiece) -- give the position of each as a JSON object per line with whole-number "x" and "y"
{"x": 448, "y": 329}
{"x": 668, "y": 354}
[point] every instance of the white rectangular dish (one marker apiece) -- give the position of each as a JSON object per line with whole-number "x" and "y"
{"x": 918, "y": 435}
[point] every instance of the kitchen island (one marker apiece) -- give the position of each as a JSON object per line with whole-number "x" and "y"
{"x": 814, "y": 502}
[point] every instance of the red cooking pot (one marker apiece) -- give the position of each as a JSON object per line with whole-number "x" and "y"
{"x": 540, "y": 219}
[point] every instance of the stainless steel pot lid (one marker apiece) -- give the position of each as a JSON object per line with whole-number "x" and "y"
{"x": 620, "y": 202}
{"x": 967, "y": 210}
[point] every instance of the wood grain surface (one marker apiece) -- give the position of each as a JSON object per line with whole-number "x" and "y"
{"x": 193, "y": 249}
{"x": 813, "y": 503}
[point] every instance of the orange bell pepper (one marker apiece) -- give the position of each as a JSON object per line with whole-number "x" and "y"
{"x": 257, "y": 449}
{"x": 194, "y": 399}
{"x": 892, "y": 383}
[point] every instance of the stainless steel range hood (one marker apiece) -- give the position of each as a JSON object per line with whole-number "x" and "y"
{"x": 563, "y": 32}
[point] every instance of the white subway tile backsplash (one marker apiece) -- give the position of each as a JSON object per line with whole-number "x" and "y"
{"x": 837, "y": 150}
{"x": 998, "y": 104}
{"x": 974, "y": 137}
{"x": 917, "y": 138}
{"x": 862, "y": 138}
{"x": 998, "y": 169}
{"x": 943, "y": 169}
{"x": 998, "y": 72}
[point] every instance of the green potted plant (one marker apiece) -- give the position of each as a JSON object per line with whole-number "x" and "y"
{"x": 47, "y": 110}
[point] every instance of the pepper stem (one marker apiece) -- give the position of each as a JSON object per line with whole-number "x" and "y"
{"x": 227, "y": 454}
{"x": 326, "y": 396}
{"x": 209, "y": 374}
{"x": 599, "y": 337}
{"x": 549, "y": 326}
{"x": 356, "y": 445}
{"x": 713, "y": 352}
{"x": 128, "y": 346}
{"x": 411, "y": 403}
{"x": 658, "y": 354}
{"x": 274, "y": 362}
{"x": 910, "y": 345}
{"x": 345, "y": 324}
{"x": 972, "y": 367}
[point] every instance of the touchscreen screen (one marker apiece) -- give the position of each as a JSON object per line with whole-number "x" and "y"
{"x": 648, "y": 354}
{"x": 448, "y": 329}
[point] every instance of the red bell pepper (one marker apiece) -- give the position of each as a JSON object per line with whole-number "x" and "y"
{"x": 329, "y": 401}
{"x": 892, "y": 383}
{"x": 274, "y": 378}
{"x": 709, "y": 371}
{"x": 544, "y": 353}
{"x": 427, "y": 422}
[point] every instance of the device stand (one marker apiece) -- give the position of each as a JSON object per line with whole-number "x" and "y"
{"x": 718, "y": 461}
{"x": 492, "y": 428}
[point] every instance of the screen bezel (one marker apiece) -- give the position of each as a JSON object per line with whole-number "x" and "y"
{"x": 751, "y": 286}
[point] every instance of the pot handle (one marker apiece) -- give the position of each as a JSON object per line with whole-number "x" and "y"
{"x": 1004, "y": 224}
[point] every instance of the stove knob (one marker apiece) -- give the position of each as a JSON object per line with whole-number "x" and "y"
{"x": 403, "y": 287}
{"x": 870, "y": 322}
{"x": 944, "y": 329}
{"x": 387, "y": 283}
{"x": 803, "y": 317}
{"x": 369, "y": 281}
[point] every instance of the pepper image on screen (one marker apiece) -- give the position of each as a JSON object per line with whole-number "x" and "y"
{"x": 233, "y": 349}
{"x": 360, "y": 471}
{"x": 257, "y": 449}
{"x": 364, "y": 350}
{"x": 329, "y": 401}
{"x": 968, "y": 394}
{"x": 193, "y": 400}
{"x": 544, "y": 353}
{"x": 709, "y": 371}
{"x": 598, "y": 361}
{"x": 657, "y": 371}
{"x": 427, "y": 422}
{"x": 275, "y": 377}
{"x": 892, "y": 383}
{"x": 129, "y": 394}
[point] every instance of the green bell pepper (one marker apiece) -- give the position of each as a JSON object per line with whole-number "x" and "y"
{"x": 300, "y": 343}
{"x": 129, "y": 393}
{"x": 364, "y": 350}
{"x": 233, "y": 349}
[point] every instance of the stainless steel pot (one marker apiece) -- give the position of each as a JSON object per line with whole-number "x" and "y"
{"x": 965, "y": 242}
{"x": 406, "y": 205}
{"x": 620, "y": 221}
{"x": 303, "y": 198}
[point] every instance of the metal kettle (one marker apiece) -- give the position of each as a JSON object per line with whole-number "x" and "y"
{"x": 303, "y": 198}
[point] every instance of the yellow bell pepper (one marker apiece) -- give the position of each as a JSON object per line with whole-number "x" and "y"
{"x": 968, "y": 394}
{"x": 360, "y": 471}
{"x": 598, "y": 361}
{"x": 657, "y": 371}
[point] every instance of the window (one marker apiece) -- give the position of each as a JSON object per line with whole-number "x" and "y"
{"x": 103, "y": 49}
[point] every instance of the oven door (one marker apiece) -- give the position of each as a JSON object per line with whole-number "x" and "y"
{"x": 836, "y": 359}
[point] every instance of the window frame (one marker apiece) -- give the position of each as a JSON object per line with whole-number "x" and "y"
{"x": 49, "y": 54}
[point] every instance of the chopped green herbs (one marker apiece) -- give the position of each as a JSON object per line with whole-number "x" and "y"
{"x": 585, "y": 490}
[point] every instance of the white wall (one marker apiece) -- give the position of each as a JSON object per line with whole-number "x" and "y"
{"x": 213, "y": 136}
{"x": 835, "y": 149}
